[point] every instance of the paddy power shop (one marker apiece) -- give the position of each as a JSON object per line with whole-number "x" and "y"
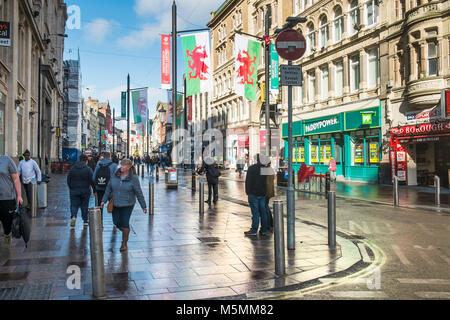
{"x": 351, "y": 138}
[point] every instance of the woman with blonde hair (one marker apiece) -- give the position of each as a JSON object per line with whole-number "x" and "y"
{"x": 123, "y": 189}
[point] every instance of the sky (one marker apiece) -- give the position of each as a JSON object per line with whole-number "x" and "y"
{"x": 121, "y": 37}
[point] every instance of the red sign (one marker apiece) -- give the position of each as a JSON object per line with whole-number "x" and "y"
{"x": 189, "y": 108}
{"x": 165, "y": 61}
{"x": 291, "y": 45}
{"x": 426, "y": 128}
{"x": 447, "y": 103}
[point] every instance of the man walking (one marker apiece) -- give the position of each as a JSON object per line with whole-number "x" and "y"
{"x": 29, "y": 171}
{"x": 255, "y": 188}
{"x": 212, "y": 176}
{"x": 80, "y": 181}
{"x": 103, "y": 172}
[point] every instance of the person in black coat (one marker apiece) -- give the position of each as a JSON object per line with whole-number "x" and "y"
{"x": 212, "y": 176}
{"x": 80, "y": 183}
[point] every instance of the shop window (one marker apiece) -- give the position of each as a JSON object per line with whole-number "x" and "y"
{"x": 365, "y": 147}
{"x": 315, "y": 152}
{"x": 325, "y": 152}
{"x": 338, "y": 143}
{"x": 373, "y": 151}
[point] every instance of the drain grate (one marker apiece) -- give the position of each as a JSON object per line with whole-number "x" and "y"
{"x": 38, "y": 292}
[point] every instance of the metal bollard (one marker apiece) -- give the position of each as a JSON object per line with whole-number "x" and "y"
{"x": 194, "y": 181}
{"x": 151, "y": 196}
{"x": 201, "y": 197}
{"x": 278, "y": 223}
{"x": 96, "y": 246}
{"x": 437, "y": 185}
{"x": 332, "y": 219}
{"x": 34, "y": 201}
{"x": 327, "y": 184}
{"x": 138, "y": 170}
{"x": 143, "y": 171}
{"x": 396, "y": 202}
{"x": 157, "y": 174}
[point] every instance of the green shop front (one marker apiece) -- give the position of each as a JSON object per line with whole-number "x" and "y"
{"x": 351, "y": 138}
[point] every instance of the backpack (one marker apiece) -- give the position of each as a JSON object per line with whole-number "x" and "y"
{"x": 103, "y": 175}
{"x": 214, "y": 172}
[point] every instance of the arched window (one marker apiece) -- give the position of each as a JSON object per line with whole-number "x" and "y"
{"x": 310, "y": 38}
{"x": 353, "y": 17}
{"x": 338, "y": 24}
{"x": 323, "y": 31}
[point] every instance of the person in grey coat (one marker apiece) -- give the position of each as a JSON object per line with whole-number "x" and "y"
{"x": 124, "y": 188}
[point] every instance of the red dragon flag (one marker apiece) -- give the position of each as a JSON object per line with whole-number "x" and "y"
{"x": 197, "y": 52}
{"x": 246, "y": 55}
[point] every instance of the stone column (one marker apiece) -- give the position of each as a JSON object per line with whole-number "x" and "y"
{"x": 423, "y": 61}
{"x": 317, "y": 85}
{"x": 346, "y": 69}
{"x": 331, "y": 83}
{"x": 363, "y": 70}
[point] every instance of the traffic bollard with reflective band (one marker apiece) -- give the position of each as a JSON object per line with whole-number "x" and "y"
{"x": 332, "y": 219}
{"x": 97, "y": 259}
{"x": 34, "y": 200}
{"x": 143, "y": 171}
{"x": 138, "y": 170}
{"x": 278, "y": 223}
{"x": 437, "y": 185}
{"x": 202, "y": 197}
{"x": 151, "y": 196}
{"x": 327, "y": 184}
{"x": 194, "y": 182}
{"x": 396, "y": 202}
{"x": 157, "y": 174}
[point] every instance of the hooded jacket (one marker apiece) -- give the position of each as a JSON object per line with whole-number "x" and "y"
{"x": 124, "y": 191}
{"x": 80, "y": 177}
{"x": 255, "y": 182}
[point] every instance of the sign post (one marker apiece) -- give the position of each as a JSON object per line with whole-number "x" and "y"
{"x": 290, "y": 45}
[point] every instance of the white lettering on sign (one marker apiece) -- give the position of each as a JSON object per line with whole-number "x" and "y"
{"x": 289, "y": 44}
{"x": 321, "y": 124}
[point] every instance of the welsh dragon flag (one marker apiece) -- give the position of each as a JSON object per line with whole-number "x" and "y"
{"x": 197, "y": 51}
{"x": 246, "y": 55}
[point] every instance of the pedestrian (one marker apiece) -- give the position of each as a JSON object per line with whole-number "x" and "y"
{"x": 123, "y": 189}
{"x": 102, "y": 175}
{"x": 91, "y": 162}
{"x": 212, "y": 176}
{"x": 148, "y": 162}
{"x": 240, "y": 166}
{"x": 270, "y": 193}
{"x": 332, "y": 168}
{"x": 153, "y": 163}
{"x": 29, "y": 174}
{"x": 10, "y": 194}
{"x": 80, "y": 182}
{"x": 255, "y": 188}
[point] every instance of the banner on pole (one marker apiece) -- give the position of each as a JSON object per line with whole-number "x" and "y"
{"x": 197, "y": 60}
{"x": 124, "y": 106}
{"x": 274, "y": 75}
{"x": 165, "y": 61}
{"x": 189, "y": 108}
{"x": 246, "y": 55}
{"x": 140, "y": 109}
{"x": 179, "y": 109}
{"x": 169, "y": 107}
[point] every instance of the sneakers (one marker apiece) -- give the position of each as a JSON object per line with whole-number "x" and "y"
{"x": 86, "y": 224}
{"x": 250, "y": 233}
{"x": 8, "y": 239}
{"x": 72, "y": 223}
{"x": 263, "y": 233}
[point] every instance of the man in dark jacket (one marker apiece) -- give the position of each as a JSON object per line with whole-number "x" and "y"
{"x": 255, "y": 188}
{"x": 212, "y": 176}
{"x": 80, "y": 182}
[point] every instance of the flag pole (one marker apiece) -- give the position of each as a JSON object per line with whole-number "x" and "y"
{"x": 174, "y": 84}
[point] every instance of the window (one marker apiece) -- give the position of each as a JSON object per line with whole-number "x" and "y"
{"x": 296, "y": 7}
{"x": 324, "y": 83}
{"x": 298, "y": 95}
{"x": 338, "y": 79}
{"x": 432, "y": 59}
{"x": 310, "y": 39}
{"x": 304, "y": 4}
{"x": 338, "y": 24}
{"x": 311, "y": 86}
{"x": 372, "y": 68}
{"x": 365, "y": 147}
{"x": 371, "y": 12}
{"x": 323, "y": 32}
{"x": 353, "y": 18}
{"x": 354, "y": 73}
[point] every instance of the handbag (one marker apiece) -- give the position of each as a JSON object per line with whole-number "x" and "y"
{"x": 110, "y": 207}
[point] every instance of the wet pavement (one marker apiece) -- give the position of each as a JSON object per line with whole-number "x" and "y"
{"x": 175, "y": 254}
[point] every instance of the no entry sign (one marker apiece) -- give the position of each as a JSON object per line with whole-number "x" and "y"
{"x": 290, "y": 45}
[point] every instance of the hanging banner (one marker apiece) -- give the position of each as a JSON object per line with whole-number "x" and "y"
{"x": 189, "y": 106}
{"x": 197, "y": 60}
{"x": 179, "y": 109}
{"x": 274, "y": 75}
{"x": 169, "y": 107}
{"x": 140, "y": 109}
{"x": 165, "y": 61}
{"x": 110, "y": 125}
{"x": 124, "y": 105}
{"x": 246, "y": 55}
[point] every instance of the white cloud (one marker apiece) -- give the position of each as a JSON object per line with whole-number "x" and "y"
{"x": 98, "y": 30}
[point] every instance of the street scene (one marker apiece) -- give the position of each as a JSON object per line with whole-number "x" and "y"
{"x": 225, "y": 151}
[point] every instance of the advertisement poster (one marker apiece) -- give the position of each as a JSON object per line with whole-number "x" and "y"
{"x": 325, "y": 151}
{"x": 294, "y": 154}
{"x": 374, "y": 156}
{"x": 301, "y": 154}
{"x": 401, "y": 165}
{"x": 314, "y": 154}
{"x": 359, "y": 155}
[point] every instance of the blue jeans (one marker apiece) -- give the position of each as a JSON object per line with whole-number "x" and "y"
{"x": 258, "y": 207}
{"x": 152, "y": 168}
{"x": 79, "y": 199}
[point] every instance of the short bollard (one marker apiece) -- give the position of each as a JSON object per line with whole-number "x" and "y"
{"x": 437, "y": 185}
{"x": 201, "y": 197}
{"x": 332, "y": 219}
{"x": 97, "y": 260}
{"x": 151, "y": 196}
{"x": 327, "y": 184}
{"x": 157, "y": 174}
{"x": 396, "y": 202}
{"x": 34, "y": 200}
{"x": 138, "y": 170}
{"x": 143, "y": 171}
{"x": 280, "y": 262}
{"x": 194, "y": 181}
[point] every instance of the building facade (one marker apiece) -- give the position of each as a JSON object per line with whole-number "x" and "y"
{"x": 73, "y": 107}
{"x": 31, "y": 71}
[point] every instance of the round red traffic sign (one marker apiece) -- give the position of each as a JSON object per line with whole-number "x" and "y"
{"x": 290, "y": 45}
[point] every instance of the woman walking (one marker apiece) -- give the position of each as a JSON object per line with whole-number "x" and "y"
{"x": 10, "y": 194}
{"x": 123, "y": 189}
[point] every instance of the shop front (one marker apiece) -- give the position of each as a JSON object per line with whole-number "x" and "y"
{"x": 420, "y": 152}
{"x": 237, "y": 145}
{"x": 351, "y": 138}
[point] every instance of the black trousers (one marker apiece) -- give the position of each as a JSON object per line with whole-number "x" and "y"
{"x": 213, "y": 187}
{"x": 100, "y": 194}
{"x": 7, "y": 208}
{"x": 79, "y": 199}
{"x": 28, "y": 191}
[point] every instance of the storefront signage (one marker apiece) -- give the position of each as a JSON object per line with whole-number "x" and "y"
{"x": 425, "y": 128}
{"x": 445, "y": 103}
{"x": 328, "y": 125}
{"x": 424, "y": 116}
{"x": 5, "y": 34}
{"x": 359, "y": 155}
{"x": 366, "y": 118}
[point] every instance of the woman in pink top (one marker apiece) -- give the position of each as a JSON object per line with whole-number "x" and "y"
{"x": 332, "y": 168}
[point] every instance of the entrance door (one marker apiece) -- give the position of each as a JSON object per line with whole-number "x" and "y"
{"x": 443, "y": 161}
{"x": 411, "y": 164}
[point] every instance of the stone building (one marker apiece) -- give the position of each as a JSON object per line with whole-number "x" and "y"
{"x": 31, "y": 71}
{"x": 91, "y": 112}
{"x": 72, "y": 124}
